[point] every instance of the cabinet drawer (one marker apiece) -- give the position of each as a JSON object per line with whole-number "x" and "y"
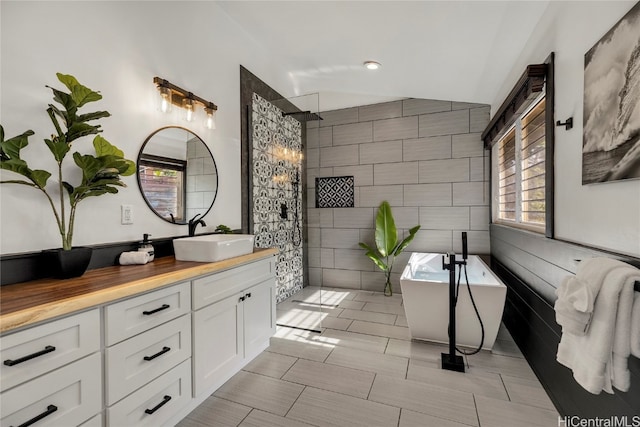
{"x": 136, "y": 361}
{"x": 38, "y": 350}
{"x": 70, "y": 395}
{"x": 215, "y": 287}
{"x": 134, "y": 315}
{"x": 164, "y": 397}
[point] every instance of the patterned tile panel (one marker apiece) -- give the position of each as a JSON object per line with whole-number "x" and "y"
{"x": 277, "y": 140}
{"x": 335, "y": 192}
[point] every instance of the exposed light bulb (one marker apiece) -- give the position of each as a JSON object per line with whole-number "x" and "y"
{"x": 210, "y": 121}
{"x": 165, "y": 99}
{"x": 189, "y": 112}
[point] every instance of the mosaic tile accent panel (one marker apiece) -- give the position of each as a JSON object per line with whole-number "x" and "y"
{"x": 277, "y": 142}
{"x": 334, "y": 192}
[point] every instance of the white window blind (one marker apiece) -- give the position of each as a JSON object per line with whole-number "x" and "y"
{"x": 507, "y": 185}
{"x": 521, "y": 171}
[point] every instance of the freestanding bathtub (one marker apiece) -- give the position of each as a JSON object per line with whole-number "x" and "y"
{"x": 425, "y": 295}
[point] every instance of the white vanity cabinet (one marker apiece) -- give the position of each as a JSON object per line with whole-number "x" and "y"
{"x": 236, "y": 324}
{"x": 139, "y": 358}
{"x": 51, "y": 374}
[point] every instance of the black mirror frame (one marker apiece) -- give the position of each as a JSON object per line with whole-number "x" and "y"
{"x": 138, "y": 172}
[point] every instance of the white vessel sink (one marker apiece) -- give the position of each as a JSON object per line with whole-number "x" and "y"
{"x": 212, "y": 247}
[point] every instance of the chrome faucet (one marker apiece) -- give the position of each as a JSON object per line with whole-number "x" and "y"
{"x": 193, "y": 223}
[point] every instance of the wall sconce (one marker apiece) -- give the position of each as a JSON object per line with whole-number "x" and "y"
{"x": 171, "y": 94}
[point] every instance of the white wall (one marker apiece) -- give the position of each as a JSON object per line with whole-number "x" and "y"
{"x": 601, "y": 215}
{"x": 117, "y": 48}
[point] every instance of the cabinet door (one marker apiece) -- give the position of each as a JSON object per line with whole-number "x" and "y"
{"x": 259, "y": 317}
{"x": 218, "y": 348}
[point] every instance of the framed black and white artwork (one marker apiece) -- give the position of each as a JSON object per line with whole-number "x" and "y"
{"x": 611, "y": 132}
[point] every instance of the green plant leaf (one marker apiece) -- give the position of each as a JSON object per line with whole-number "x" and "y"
{"x": 18, "y": 166}
{"x": 105, "y": 148}
{"x": 377, "y": 260}
{"x": 89, "y": 164}
{"x": 113, "y": 157}
{"x": 78, "y": 130}
{"x": 365, "y": 246}
{"x": 67, "y": 102}
{"x": 12, "y": 146}
{"x": 407, "y": 240}
{"x": 68, "y": 187}
{"x": 40, "y": 177}
{"x": 58, "y": 147}
{"x": 374, "y": 256}
{"x": 92, "y": 116}
{"x": 386, "y": 234}
{"x": 68, "y": 80}
{"x": 79, "y": 93}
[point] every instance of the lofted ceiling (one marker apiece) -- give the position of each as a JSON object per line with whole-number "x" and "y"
{"x": 452, "y": 50}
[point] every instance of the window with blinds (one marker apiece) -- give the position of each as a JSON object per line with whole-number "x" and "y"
{"x": 507, "y": 184}
{"x": 521, "y": 171}
{"x": 163, "y": 185}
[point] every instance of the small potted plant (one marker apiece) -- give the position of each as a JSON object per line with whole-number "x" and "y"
{"x": 100, "y": 172}
{"x": 387, "y": 244}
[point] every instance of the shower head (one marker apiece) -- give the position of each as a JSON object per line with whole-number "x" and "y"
{"x": 303, "y": 116}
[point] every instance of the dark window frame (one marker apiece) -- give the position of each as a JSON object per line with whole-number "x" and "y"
{"x": 168, "y": 164}
{"x": 535, "y": 79}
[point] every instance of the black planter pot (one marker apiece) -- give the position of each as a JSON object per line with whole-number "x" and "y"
{"x": 68, "y": 264}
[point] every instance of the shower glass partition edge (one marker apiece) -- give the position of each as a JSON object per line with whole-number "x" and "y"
{"x": 281, "y": 132}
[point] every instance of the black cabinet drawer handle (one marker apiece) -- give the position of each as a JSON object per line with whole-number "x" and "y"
{"x": 160, "y": 353}
{"x": 158, "y": 406}
{"x": 242, "y": 298}
{"x": 162, "y": 307}
{"x": 249, "y": 295}
{"x": 50, "y": 410}
{"x": 47, "y": 349}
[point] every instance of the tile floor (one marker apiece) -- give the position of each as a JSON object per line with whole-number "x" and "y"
{"x": 362, "y": 369}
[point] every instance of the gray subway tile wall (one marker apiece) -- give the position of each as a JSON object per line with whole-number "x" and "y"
{"x": 423, "y": 156}
{"x": 381, "y": 152}
{"x": 387, "y": 110}
{"x": 353, "y": 133}
{"x": 429, "y": 148}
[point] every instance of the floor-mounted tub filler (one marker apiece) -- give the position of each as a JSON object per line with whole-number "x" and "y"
{"x": 425, "y": 295}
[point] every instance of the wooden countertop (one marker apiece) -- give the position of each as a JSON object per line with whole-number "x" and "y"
{"x": 23, "y": 304}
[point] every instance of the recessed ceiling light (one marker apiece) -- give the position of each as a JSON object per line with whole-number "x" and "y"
{"x": 372, "y": 65}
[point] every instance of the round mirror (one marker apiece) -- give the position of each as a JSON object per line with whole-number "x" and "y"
{"x": 177, "y": 175}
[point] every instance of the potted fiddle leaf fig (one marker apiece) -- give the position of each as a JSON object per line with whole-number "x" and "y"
{"x": 101, "y": 171}
{"x": 387, "y": 245}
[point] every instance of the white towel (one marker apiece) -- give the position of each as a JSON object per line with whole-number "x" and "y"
{"x": 129, "y": 258}
{"x": 635, "y": 325}
{"x": 574, "y": 305}
{"x": 621, "y": 377}
{"x": 597, "y": 359}
{"x": 592, "y": 272}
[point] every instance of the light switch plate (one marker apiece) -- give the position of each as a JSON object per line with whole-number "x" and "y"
{"x": 126, "y": 214}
